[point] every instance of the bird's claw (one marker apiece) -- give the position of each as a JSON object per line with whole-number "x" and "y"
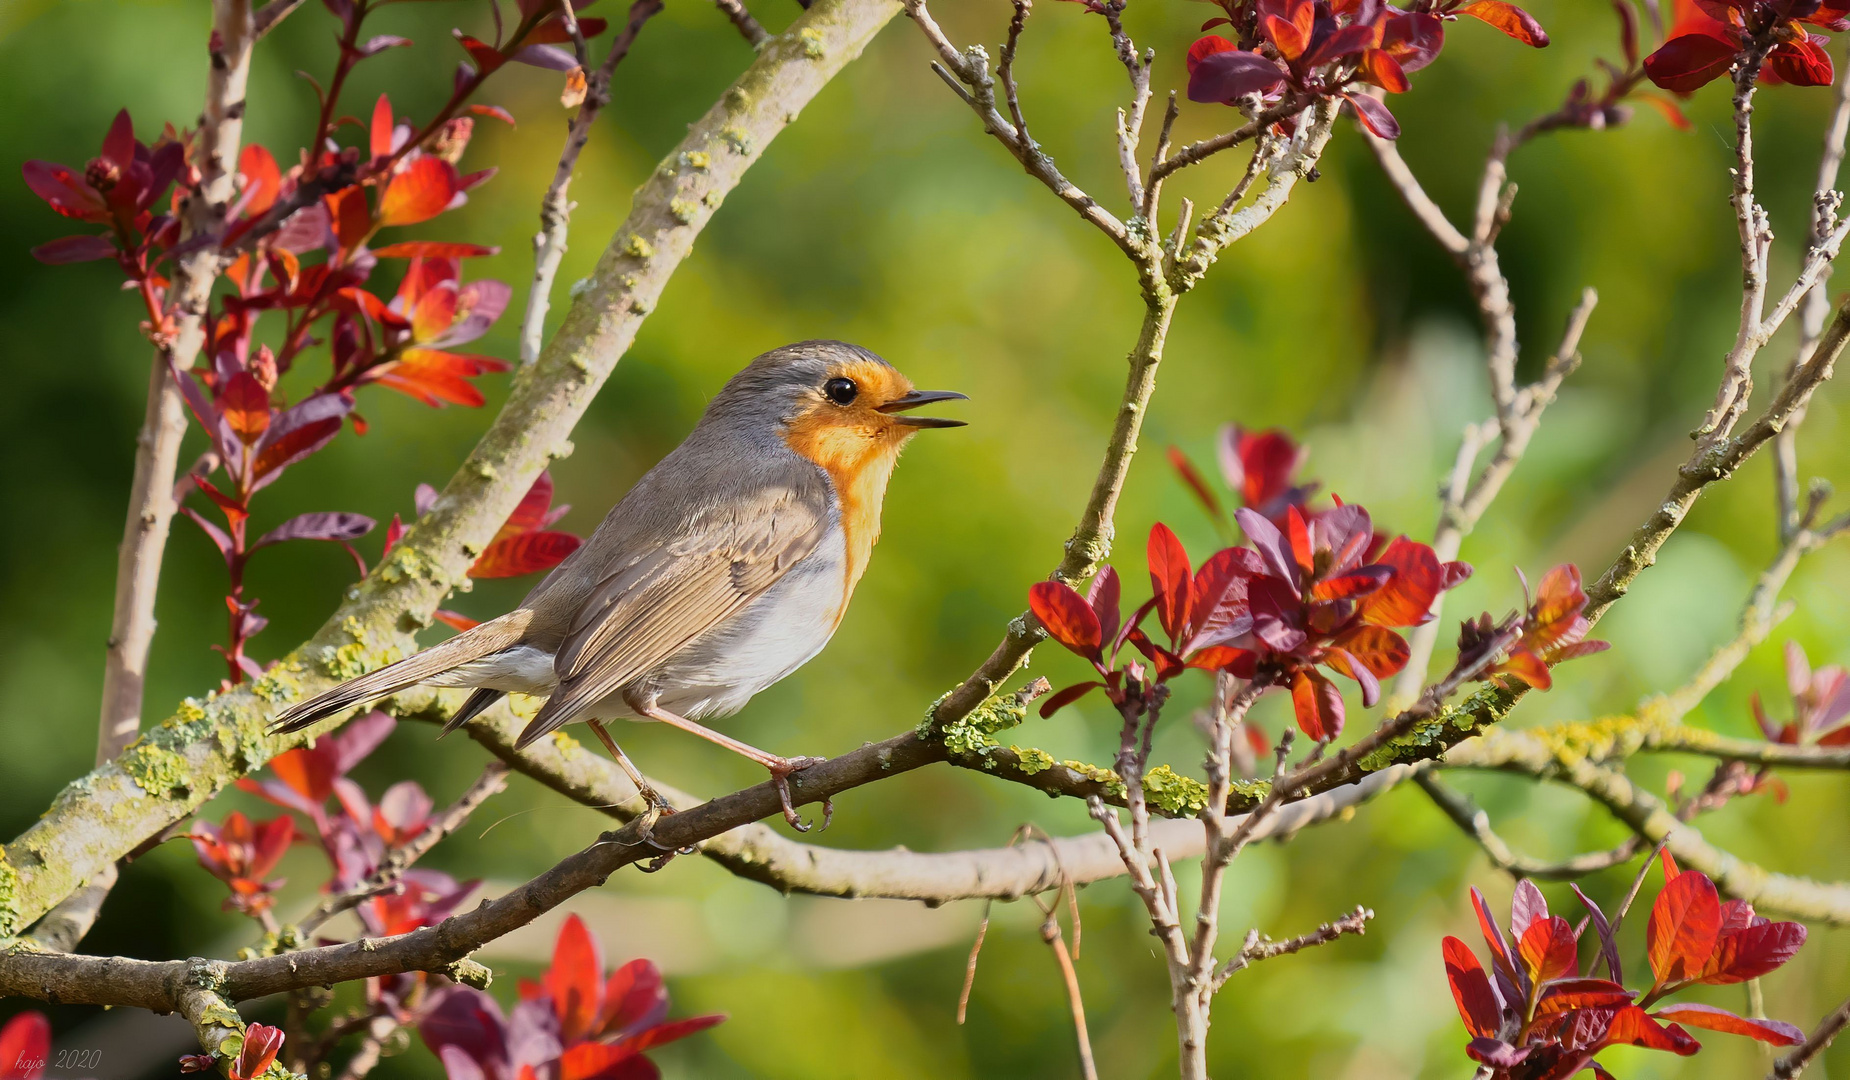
{"x": 780, "y": 779}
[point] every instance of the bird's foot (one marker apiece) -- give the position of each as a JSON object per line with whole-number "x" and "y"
{"x": 781, "y": 769}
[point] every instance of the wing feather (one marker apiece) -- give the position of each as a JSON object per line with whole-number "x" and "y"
{"x": 648, "y": 610}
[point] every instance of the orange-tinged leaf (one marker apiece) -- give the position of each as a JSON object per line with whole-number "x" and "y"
{"x": 421, "y": 191}
{"x": 1297, "y": 531}
{"x": 1566, "y": 995}
{"x": 434, "y": 314}
{"x": 380, "y": 135}
{"x": 1288, "y": 37}
{"x": 1685, "y": 922}
{"x": 455, "y": 621}
{"x": 1776, "y": 1032}
{"x": 1510, "y": 19}
{"x": 1317, "y": 703}
{"x": 353, "y": 222}
{"x": 1632, "y": 1026}
{"x": 1385, "y": 71}
{"x": 1066, "y": 615}
{"x": 433, "y": 249}
{"x": 527, "y": 553}
{"x": 1406, "y": 600}
{"x": 1548, "y": 950}
{"x": 1199, "y": 487}
{"x": 245, "y": 406}
{"x": 262, "y": 179}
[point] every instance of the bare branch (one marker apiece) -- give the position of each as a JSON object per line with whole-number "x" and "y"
{"x": 749, "y": 28}
{"x": 1258, "y": 947}
{"x": 555, "y": 207}
{"x": 1468, "y": 816}
{"x": 1816, "y": 1043}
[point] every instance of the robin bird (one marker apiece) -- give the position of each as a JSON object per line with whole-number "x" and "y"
{"x": 724, "y": 569}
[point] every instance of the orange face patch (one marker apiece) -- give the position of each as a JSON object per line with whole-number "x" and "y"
{"x": 857, "y": 445}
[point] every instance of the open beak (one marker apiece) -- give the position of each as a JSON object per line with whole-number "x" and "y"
{"x": 923, "y": 397}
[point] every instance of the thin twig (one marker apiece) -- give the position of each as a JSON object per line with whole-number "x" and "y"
{"x": 1471, "y": 818}
{"x": 755, "y": 35}
{"x": 555, "y": 207}
{"x": 1816, "y": 1043}
{"x": 1258, "y": 947}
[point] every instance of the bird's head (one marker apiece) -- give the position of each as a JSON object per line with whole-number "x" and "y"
{"x": 836, "y": 404}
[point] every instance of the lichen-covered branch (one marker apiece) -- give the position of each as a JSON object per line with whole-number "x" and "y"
{"x": 1646, "y": 815}
{"x": 160, "y": 780}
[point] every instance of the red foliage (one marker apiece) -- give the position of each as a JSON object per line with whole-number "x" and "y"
{"x": 1820, "y": 704}
{"x": 572, "y": 1024}
{"x": 1331, "y": 48}
{"x": 25, "y": 1046}
{"x": 1710, "y": 35}
{"x": 1534, "y": 1016}
{"x": 261, "y": 1044}
{"x": 241, "y": 853}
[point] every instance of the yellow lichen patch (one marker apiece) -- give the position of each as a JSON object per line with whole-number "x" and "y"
{"x": 1033, "y": 760}
{"x": 154, "y": 770}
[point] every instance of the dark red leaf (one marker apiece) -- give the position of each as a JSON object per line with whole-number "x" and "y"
{"x": 1066, "y": 615}
{"x": 1230, "y": 75}
{"x": 575, "y": 980}
{"x": 65, "y": 190}
{"x": 1566, "y": 995}
{"x": 1801, "y": 63}
{"x": 1199, "y": 487}
{"x": 1171, "y": 579}
{"x": 432, "y": 249}
{"x": 1477, "y": 1002}
{"x": 1102, "y": 596}
{"x": 1633, "y": 1026}
{"x": 245, "y": 405}
{"x": 1060, "y": 699}
{"x": 1684, "y": 64}
{"x": 261, "y": 1042}
{"x": 1374, "y": 116}
{"x": 1752, "y": 951}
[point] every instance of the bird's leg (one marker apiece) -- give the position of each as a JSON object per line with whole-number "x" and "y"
{"x": 779, "y": 767}
{"x": 653, "y": 800}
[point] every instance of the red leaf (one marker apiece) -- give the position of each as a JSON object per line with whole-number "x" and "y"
{"x": 1776, "y": 1032}
{"x": 1102, "y": 596}
{"x": 1291, "y": 38}
{"x": 1297, "y": 534}
{"x": 65, "y": 190}
{"x": 380, "y": 135}
{"x": 1493, "y": 937}
{"x": 1801, "y": 63}
{"x": 495, "y": 111}
{"x": 1477, "y": 1003}
{"x": 420, "y": 192}
{"x": 1669, "y": 861}
{"x": 1406, "y": 600}
{"x": 74, "y": 249}
{"x": 1358, "y": 582}
{"x": 553, "y": 31}
{"x": 486, "y": 57}
{"x": 1318, "y": 704}
{"x": 1068, "y": 618}
{"x": 1171, "y": 579}
{"x": 1566, "y": 995}
{"x": 352, "y": 221}
{"x": 1668, "y": 109}
{"x": 25, "y": 1046}
{"x": 1633, "y": 1026}
{"x": 432, "y": 249}
{"x": 1683, "y": 64}
{"x": 1548, "y": 950}
{"x": 261, "y": 1042}
{"x": 1752, "y": 951}
{"x": 1685, "y": 921}
{"x": 1192, "y": 477}
{"x": 575, "y": 980}
{"x": 245, "y": 405}
{"x": 455, "y": 621}
{"x": 1384, "y": 71}
{"x": 1374, "y": 116}
{"x": 262, "y": 179}
{"x": 1060, "y": 699}
{"x": 527, "y": 553}
{"x": 119, "y": 143}
{"x": 661, "y": 1034}
{"x": 295, "y": 445}
{"x": 1510, "y": 19}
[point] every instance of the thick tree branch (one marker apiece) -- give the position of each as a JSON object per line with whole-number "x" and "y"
{"x": 102, "y": 816}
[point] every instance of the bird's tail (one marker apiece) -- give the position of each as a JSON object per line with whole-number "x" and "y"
{"x": 490, "y": 637}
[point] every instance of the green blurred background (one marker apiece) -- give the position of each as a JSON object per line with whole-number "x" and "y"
{"x": 884, "y": 217}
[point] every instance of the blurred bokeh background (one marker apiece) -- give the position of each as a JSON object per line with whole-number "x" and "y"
{"x": 886, "y": 218}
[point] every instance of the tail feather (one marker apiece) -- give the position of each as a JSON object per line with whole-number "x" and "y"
{"x": 490, "y": 637}
{"x": 477, "y": 704}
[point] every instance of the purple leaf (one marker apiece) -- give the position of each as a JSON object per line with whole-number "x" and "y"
{"x": 1374, "y": 116}
{"x": 213, "y": 532}
{"x": 74, "y": 249}
{"x": 328, "y": 525}
{"x": 377, "y": 45}
{"x": 1608, "y": 948}
{"x": 1232, "y": 74}
{"x": 545, "y": 56}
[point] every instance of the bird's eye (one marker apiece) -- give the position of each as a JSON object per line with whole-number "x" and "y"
{"x": 840, "y": 391}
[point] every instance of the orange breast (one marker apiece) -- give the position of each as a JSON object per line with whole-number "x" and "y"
{"x": 859, "y": 461}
